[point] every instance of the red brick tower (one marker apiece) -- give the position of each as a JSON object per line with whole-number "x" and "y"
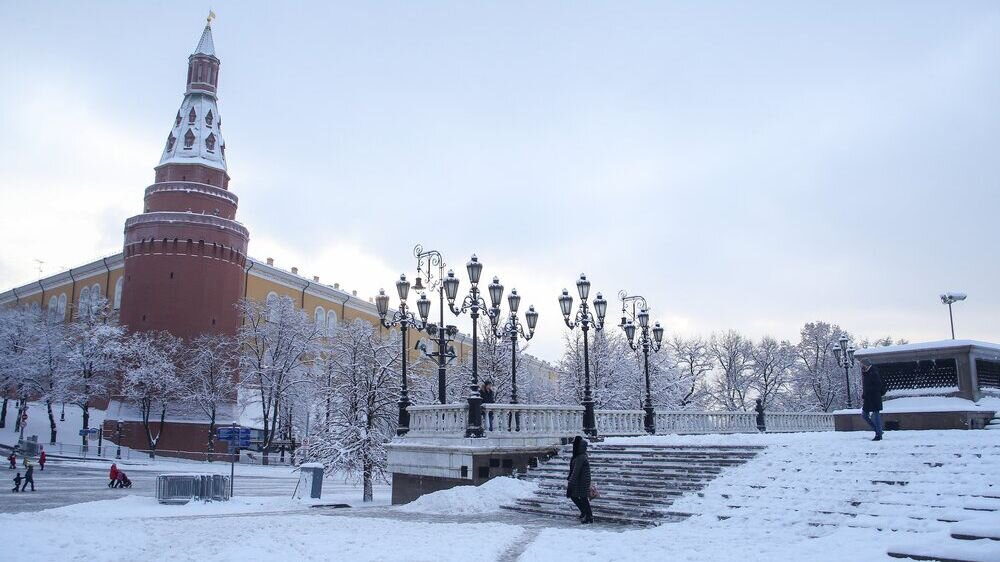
{"x": 185, "y": 254}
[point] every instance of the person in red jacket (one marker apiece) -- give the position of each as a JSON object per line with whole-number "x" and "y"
{"x": 113, "y": 475}
{"x": 13, "y": 460}
{"x": 41, "y": 460}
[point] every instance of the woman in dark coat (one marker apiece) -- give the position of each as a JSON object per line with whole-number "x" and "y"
{"x": 872, "y": 389}
{"x": 578, "y": 485}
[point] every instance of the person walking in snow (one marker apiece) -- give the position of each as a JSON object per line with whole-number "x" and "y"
{"x": 872, "y": 390}
{"x": 12, "y": 458}
{"x": 29, "y": 478}
{"x": 17, "y": 483}
{"x": 41, "y": 460}
{"x": 113, "y": 475}
{"x": 578, "y": 483}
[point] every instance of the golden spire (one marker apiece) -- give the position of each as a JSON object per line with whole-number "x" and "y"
{"x": 211, "y": 16}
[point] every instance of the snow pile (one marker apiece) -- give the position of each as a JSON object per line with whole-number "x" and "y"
{"x": 486, "y": 498}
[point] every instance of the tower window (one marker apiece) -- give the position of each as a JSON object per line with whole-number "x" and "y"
{"x": 170, "y": 142}
{"x": 191, "y": 116}
{"x": 210, "y": 142}
{"x": 177, "y": 121}
{"x": 209, "y": 118}
{"x": 223, "y": 147}
{"x": 188, "y": 139}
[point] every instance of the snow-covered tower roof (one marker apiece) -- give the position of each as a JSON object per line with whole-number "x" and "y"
{"x": 206, "y": 46}
{"x": 196, "y": 134}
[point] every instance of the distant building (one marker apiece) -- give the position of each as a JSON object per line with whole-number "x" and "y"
{"x": 184, "y": 264}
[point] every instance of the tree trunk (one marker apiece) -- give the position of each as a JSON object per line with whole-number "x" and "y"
{"x": 367, "y": 479}
{"x": 3, "y": 411}
{"x": 86, "y": 423}
{"x": 211, "y": 435}
{"x": 52, "y": 423}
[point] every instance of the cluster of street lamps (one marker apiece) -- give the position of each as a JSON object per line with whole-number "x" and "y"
{"x": 511, "y": 328}
{"x": 475, "y": 305}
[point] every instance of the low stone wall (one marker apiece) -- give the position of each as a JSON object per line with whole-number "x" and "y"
{"x": 844, "y": 421}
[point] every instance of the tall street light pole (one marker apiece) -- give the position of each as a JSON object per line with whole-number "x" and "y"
{"x": 844, "y": 353}
{"x": 473, "y": 303}
{"x": 404, "y": 320}
{"x": 441, "y": 334}
{"x": 949, "y": 299}
{"x": 584, "y": 319}
{"x": 628, "y": 324}
{"x": 513, "y": 328}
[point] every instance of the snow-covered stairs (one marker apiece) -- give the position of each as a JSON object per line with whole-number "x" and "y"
{"x": 638, "y": 483}
{"x": 974, "y": 540}
{"x": 883, "y": 486}
{"x": 994, "y": 423}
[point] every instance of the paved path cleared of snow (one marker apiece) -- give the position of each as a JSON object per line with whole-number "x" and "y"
{"x": 66, "y": 482}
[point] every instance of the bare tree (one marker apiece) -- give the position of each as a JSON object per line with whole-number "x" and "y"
{"x": 734, "y": 383}
{"x": 772, "y": 362}
{"x": 209, "y": 374}
{"x": 93, "y": 357}
{"x": 615, "y": 376}
{"x": 819, "y": 381}
{"x": 278, "y": 344}
{"x": 15, "y": 334}
{"x": 150, "y": 378}
{"x": 45, "y": 359}
{"x": 362, "y": 394}
{"x": 692, "y": 365}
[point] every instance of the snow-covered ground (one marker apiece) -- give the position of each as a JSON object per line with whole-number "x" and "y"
{"x": 67, "y": 431}
{"x": 818, "y": 502}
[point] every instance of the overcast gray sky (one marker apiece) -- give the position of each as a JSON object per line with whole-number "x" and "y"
{"x": 743, "y": 166}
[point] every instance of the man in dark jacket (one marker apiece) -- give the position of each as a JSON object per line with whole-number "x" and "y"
{"x": 872, "y": 390}
{"x": 29, "y": 478}
{"x": 578, "y": 485}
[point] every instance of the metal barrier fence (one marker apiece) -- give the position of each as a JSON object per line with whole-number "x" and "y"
{"x": 183, "y": 488}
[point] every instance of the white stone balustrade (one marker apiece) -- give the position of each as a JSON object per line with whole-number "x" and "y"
{"x": 620, "y": 422}
{"x": 438, "y": 419}
{"x": 559, "y": 421}
{"x": 706, "y": 422}
{"x": 782, "y": 422}
{"x": 532, "y": 420}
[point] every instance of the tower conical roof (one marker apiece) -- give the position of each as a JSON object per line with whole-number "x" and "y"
{"x": 206, "y": 46}
{"x": 196, "y": 134}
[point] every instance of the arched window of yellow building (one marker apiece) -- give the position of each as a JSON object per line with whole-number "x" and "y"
{"x": 118, "y": 292}
{"x": 84, "y": 306}
{"x": 331, "y": 323}
{"x": 272, "y": 306}
{"x": 320, "y": 319}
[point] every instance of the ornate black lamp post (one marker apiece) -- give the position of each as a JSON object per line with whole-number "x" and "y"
{"x": 845, "y": 361}
{"x": 628, "y": 324}
{"x": 584, "y": 319}
{"x": 404, "y": 320}
{"x": 513, "y": 328}
{"x": 441, "y": 334}
{"x": 473, "y": 303}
